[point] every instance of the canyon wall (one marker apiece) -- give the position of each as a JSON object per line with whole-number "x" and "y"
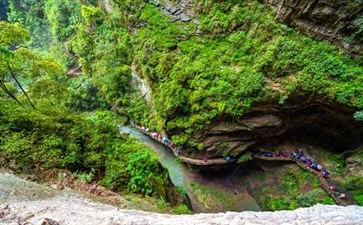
{"x": 338, "y": 21}
{"x": 307, "y": 120}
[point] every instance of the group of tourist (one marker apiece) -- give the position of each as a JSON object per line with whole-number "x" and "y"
{"x": 309, "y": 162}
{"x": 167, "y": 142}
{"x": 303, "y": 158}
{"x": 164, "y": 140}
{"x": 337, "y": 192}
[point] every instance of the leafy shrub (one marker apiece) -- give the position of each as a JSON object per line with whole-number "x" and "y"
{"x": 358, "y": 196}
{"x": 181, "y": 209}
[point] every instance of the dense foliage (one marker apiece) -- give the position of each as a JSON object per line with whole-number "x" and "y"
{"x": 220, "y": 63}
{"x": 41, "y": 125}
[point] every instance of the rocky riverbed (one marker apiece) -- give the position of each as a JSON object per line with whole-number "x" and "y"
{"x": 62, "y": 207}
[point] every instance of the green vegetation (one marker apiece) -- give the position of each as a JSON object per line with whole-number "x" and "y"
{"x": 41, "y": 127}
{"x": 181, "y": 209}
{"x": 358, "y": 196}
{"x": 296, "y": 189}
{"x": 215, "y": 198}
{"x": 354, "y": 181}
{"x": 57, "y": 137}
{"x": 216, "y": 65}
{"x": 220, "y": 66}
{"x": 302, "y": 200}
{"x": 31, "y": 15}
{"x": 245, "y": 157}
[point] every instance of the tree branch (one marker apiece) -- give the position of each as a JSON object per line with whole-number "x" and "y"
{"x": 2, "y": 85}
{"x": 16, "y": 80}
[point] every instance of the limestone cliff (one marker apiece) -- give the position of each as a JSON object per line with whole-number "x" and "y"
{"x": 308, "y": 120}
{"x": 338, "y": 21}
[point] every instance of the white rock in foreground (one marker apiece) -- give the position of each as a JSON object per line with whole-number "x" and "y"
{"x": 76, "y": 211}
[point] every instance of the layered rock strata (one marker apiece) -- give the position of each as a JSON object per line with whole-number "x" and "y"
{"x": 309, "y": 121}
{"x": 338, "y": 21}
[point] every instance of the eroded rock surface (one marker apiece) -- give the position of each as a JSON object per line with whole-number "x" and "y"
{"x": 58, "y": 211}
{"x": 177, "y": 10}
{"x": 338, "y": 21}
{"x": 311, "y": 121}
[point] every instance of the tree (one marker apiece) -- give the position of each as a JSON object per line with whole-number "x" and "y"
{"x": 19, "y": 64}
{"x": 10, "y": 37}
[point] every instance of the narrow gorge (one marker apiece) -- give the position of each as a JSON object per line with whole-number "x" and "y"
{"x": 181, "y": 107}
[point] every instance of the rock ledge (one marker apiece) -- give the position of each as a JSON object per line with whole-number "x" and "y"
{"x": 77, "y": 211}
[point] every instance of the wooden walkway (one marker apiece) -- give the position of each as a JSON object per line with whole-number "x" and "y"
{"x": 218, "y": 161}
{"x": 324, "y": 184}
{"x": 77, "y": 70}
{"x": 186, "y": 159}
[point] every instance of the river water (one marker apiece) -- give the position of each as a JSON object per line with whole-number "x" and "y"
{"x": 175, "y": 168}
{"x": 207, "y": 193}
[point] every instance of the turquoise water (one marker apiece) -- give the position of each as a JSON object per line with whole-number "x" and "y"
{"x": 167, "y": 159}
{"x": 181, "y": 176}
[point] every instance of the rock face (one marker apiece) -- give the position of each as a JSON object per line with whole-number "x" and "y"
{"x": 58, "y": 211}
{"x": 177, "y": 10}
{"x": 305, "y": 120}
{"x": 338, "y": 21}
{"x": 20, "y": 203}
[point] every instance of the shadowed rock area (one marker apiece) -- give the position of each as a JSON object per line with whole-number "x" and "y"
{"x": 314, "y": 122}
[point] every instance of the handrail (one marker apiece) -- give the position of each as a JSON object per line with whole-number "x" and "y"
{"x": 324, "y": 184}
{"x": 194, "y": 161}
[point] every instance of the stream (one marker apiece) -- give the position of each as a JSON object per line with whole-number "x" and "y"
{"x": 207, "y": 193}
